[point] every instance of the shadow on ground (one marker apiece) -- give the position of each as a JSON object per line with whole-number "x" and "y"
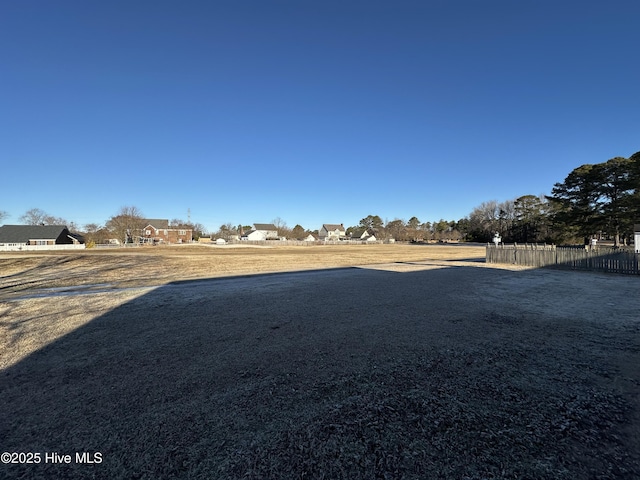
{"x": 350, "y": 373}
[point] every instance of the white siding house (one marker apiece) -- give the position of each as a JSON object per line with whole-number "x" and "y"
{"x": 261, "y": 231}
{"x": 254, "y": 236}
{"x": 369, "y": 235}
{"x": 330, "y": 232}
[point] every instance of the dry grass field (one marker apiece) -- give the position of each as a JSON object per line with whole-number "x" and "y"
{"x": 55, "y": 281}
{"x": 355, "y": 362}
{"x": 159, "y": 265}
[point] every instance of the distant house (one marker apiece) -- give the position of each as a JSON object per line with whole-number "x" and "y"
{"x": 364, "y": 234}
{"x": 636, "y": 238}
{"x": 368, "y": 235}
{"x": 38, "y": 237}
{"x": 159, "y": 231}
{"x": 260, "y": 232}
{"x": 332, "y": 232}
{"x": 312, "y": 237}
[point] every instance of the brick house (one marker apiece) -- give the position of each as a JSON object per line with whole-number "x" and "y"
{"x": 159, "y": 231}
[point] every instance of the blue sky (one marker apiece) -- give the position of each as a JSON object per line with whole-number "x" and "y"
{"x": 311, "y": 111}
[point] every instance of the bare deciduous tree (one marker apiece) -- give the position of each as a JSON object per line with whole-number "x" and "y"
{"x": 35, "y": 216}
{"x": 226, "y": 232}
{"x": 281, "y": 227}
{"x": 126, "y": 225}
{"x": 95, "y": 233}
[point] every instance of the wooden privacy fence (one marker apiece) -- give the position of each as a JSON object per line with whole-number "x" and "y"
{"x": 603, "y": 259}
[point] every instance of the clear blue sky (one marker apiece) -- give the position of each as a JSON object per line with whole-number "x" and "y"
{"x": 311, "y": 111}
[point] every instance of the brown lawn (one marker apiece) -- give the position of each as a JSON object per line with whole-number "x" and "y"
{"x": 163, "y": 264}
{"x": 420, "y": 362}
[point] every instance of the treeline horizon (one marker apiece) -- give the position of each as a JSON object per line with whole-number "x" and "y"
{"x": 594, "y": 201}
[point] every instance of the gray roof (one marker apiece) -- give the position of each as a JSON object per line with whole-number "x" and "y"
{"x": 24, "y": 233}
{"x": 159, "y": 223}
{"x": 330, "y": 227}
{"x": 265, "y": 226}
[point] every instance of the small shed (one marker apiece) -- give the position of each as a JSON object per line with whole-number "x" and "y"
{"x": 636, "y": 238}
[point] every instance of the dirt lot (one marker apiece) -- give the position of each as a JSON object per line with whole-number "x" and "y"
{"x": 360, "y": 362}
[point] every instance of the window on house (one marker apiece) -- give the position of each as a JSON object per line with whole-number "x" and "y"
{"x": 147, "y": 232}
{"x": 182, "y": 232}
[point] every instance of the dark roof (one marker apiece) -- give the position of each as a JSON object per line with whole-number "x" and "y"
{"x": 159, "y": 223}
{"x": 331, "y": 227}
{"x": 636, "y": 228}
{"x": 24, "y": 233}
{"x": 265, "y": 226}
{"x": 358, "y": 232}
{"x": 77, "y": 237}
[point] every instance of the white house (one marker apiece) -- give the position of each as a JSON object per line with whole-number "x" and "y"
{"x": 368, "y": 235}
{"x": 260, "y": 232}
{"x": 364, "y": 235}
{"x": 330, "y": 232}
{"x": 636, "y": 238}
{"x": 254, "y": 236}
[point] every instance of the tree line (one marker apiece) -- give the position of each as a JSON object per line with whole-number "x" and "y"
{"x": 398, "y": 229}
{"x": 595, "y": 200}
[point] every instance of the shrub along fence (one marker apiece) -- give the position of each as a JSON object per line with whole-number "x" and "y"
{"x": 603, "y": 259}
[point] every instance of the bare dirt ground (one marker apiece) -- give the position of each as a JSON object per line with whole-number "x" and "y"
{"x": 384, "y": 361}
